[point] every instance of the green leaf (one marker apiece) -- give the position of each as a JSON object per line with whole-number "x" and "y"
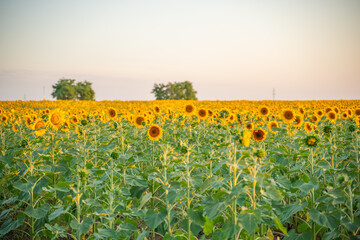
{"x": 58, "y": 212}
{"x": 249, "y": 221}
{"x": 196, "y": 217}
{"x": 144, "y": 200}
{"x": 37, "y": 213}
{"x": 10, "y": 225}
{"x": 153, "y": 219}
{"x": 280, "y": 226}
{"x": 104, "y": 233}
{"x": 324, "y": 219}
{"x": 273, "y": 193}
{"x": 56, "y": 230}
{"x": 303, "y": 236}
{"x": 291, "y": 209}
{"x": 208, "y": 226}
{"x": 143, "y": 235}
{"x": 24, "y": 187}
{"x": 5, "y": 213}
{"x": 212, "y": 207}
{"x": 84, "y": 226}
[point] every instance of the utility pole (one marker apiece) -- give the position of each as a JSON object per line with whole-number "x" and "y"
{"x": 273, "y": 94}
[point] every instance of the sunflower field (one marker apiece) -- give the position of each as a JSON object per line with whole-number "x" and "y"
{"x": 180, "y": 170}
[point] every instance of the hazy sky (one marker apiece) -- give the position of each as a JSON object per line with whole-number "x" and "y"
{"x": 229, "y": 50}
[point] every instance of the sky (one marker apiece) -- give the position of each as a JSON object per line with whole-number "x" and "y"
{"x": 229, "y": 49}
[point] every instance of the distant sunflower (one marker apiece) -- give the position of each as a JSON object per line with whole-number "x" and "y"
{"x": 15, "y": 126}
{"x": 4, "y": 119}
{"x": 189, "y": 109}
{"x": 66, "y": 126}
{"x": 264, "y": 111}
{"x": 259, "y": 135}
{"x": 302, "y": 111}
{"x": 331, "y": 116}
{"x": 28, "y": 121}
{"x": 288, "y": 116}
{"x": 328, "y": 109}
{"x": 155, "y": 132}
{"x": 210, "y": 113}
{"x": 357, "y": 112}
{"x": 157, "y": 109}
{"x": 309, "y": 127}
{"x": 311, "y": 141}
{"x": 139, "y": 121}
{"x": 272, "y": 125}
{"x": 202, "y": 114}
{"x": 74, "y": 119}
{"x": 298, "y": 121}
{"x": 39, "y": 128}
{"x": 344, "y": 115}
{"x": 111, "y": 112}
{"x": 319, "y": 113}
{"x": 249, "y": 126}
{"x": 56, "y": 119}
{"x": 314, "y": 118}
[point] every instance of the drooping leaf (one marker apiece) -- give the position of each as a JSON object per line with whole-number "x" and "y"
{"x": 249, "y": 221}
{"x": 154, "y": 219}
{"x": 39, "y": 212}
{"x": 324, "y": 219}
{"x": 208, "y": 226}
{"x": 10, "y": 225}
{"x": 280, "y": 226}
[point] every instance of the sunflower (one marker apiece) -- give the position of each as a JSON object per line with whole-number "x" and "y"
{"x": 189, "y": 109}
{"x": 259, "y": 135}
{"x": 15, "y": 126}
{"x": 344, "y": 115}
{"x": 263, "y": 111}
{"x": 28, "y": 121}
{"x": 56, "y": 119}
{"x": 298, "y": 121}
{"x": 4, "y": 119}
{"x": 111, "y": 112}
{"x": 320, "y": 113}
{"x": 202, "y": 114}
{"x": 210, "y": 113}
{"x": 328, "y": 109}
{"x": 157, "y": 109}
{"x": 311, "y": 141}
{"x": 309, "y": 127}
{"x": 271, "y": 125}
{"x": 39, "y": 127}
{"x": 331, "y": 116}
{"x": 66, "y": 126}
{"x": 139, "y": 121}
{"x": 314, "y": 118}
{"x": 357, "y": 112}
{"x": 288, "y": 116}
{"x": 249, "y": 126}
{"x": 155, "y": 132}
{"x": 74, "y": 119}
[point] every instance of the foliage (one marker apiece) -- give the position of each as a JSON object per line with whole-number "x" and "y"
{"x": 97, "y": 175}
{"x": 177, "y": 90}
{"x": 66, "y": 89}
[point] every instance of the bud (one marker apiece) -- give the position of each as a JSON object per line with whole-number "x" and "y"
{"x": 114, "y": 155}
{"x": 327, "y": 129}
{"x": 84, "y": 122}
{"x": 352, "y": 128}
{"x": 24, "y": 143}
{"x": 260, "y": 153}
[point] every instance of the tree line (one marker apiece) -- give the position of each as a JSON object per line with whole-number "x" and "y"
{"x": 66, "y": 89}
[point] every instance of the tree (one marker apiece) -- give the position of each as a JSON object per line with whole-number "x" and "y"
{"x": 66, "y": 89}
{"x": 84, "y": 90}
{"x": 176, "y": 90}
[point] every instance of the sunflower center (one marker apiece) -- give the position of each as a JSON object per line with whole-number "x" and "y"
{"x": 288, "y": 115}
{"x": 39, "y": 124}
{"x": 189, "y": 108}
{"x": 55, "y": 119}
{"x": 139, "y": 120}
{"x": 112, "y": 113}
{"x": 202, "y": 113}
{"x": 154, "y": 132}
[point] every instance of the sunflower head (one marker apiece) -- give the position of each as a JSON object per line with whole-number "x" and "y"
{"x": 111, "y": 113}
{"x": 331, "y": 116}
{"x": 311, "y": 141}
{"x": 288, "y": 116}
{"x": 263, "y": 111}
{"x": 298, "y": 121}
{"x": 155, "y": 132}
{"x": 39, "y": 127}
{"x": 249, "y": 126}
{"x": 56, "y": 119}
{"x": 273, "y": 125}
{"x": 357, "y": 112}
{"x": 202, "y": 114}
{"x": 259, "y": 135}
{"x": 309, "y": 127}
{"x": 140, "y": 121}
{"x": 189, "y": 109}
